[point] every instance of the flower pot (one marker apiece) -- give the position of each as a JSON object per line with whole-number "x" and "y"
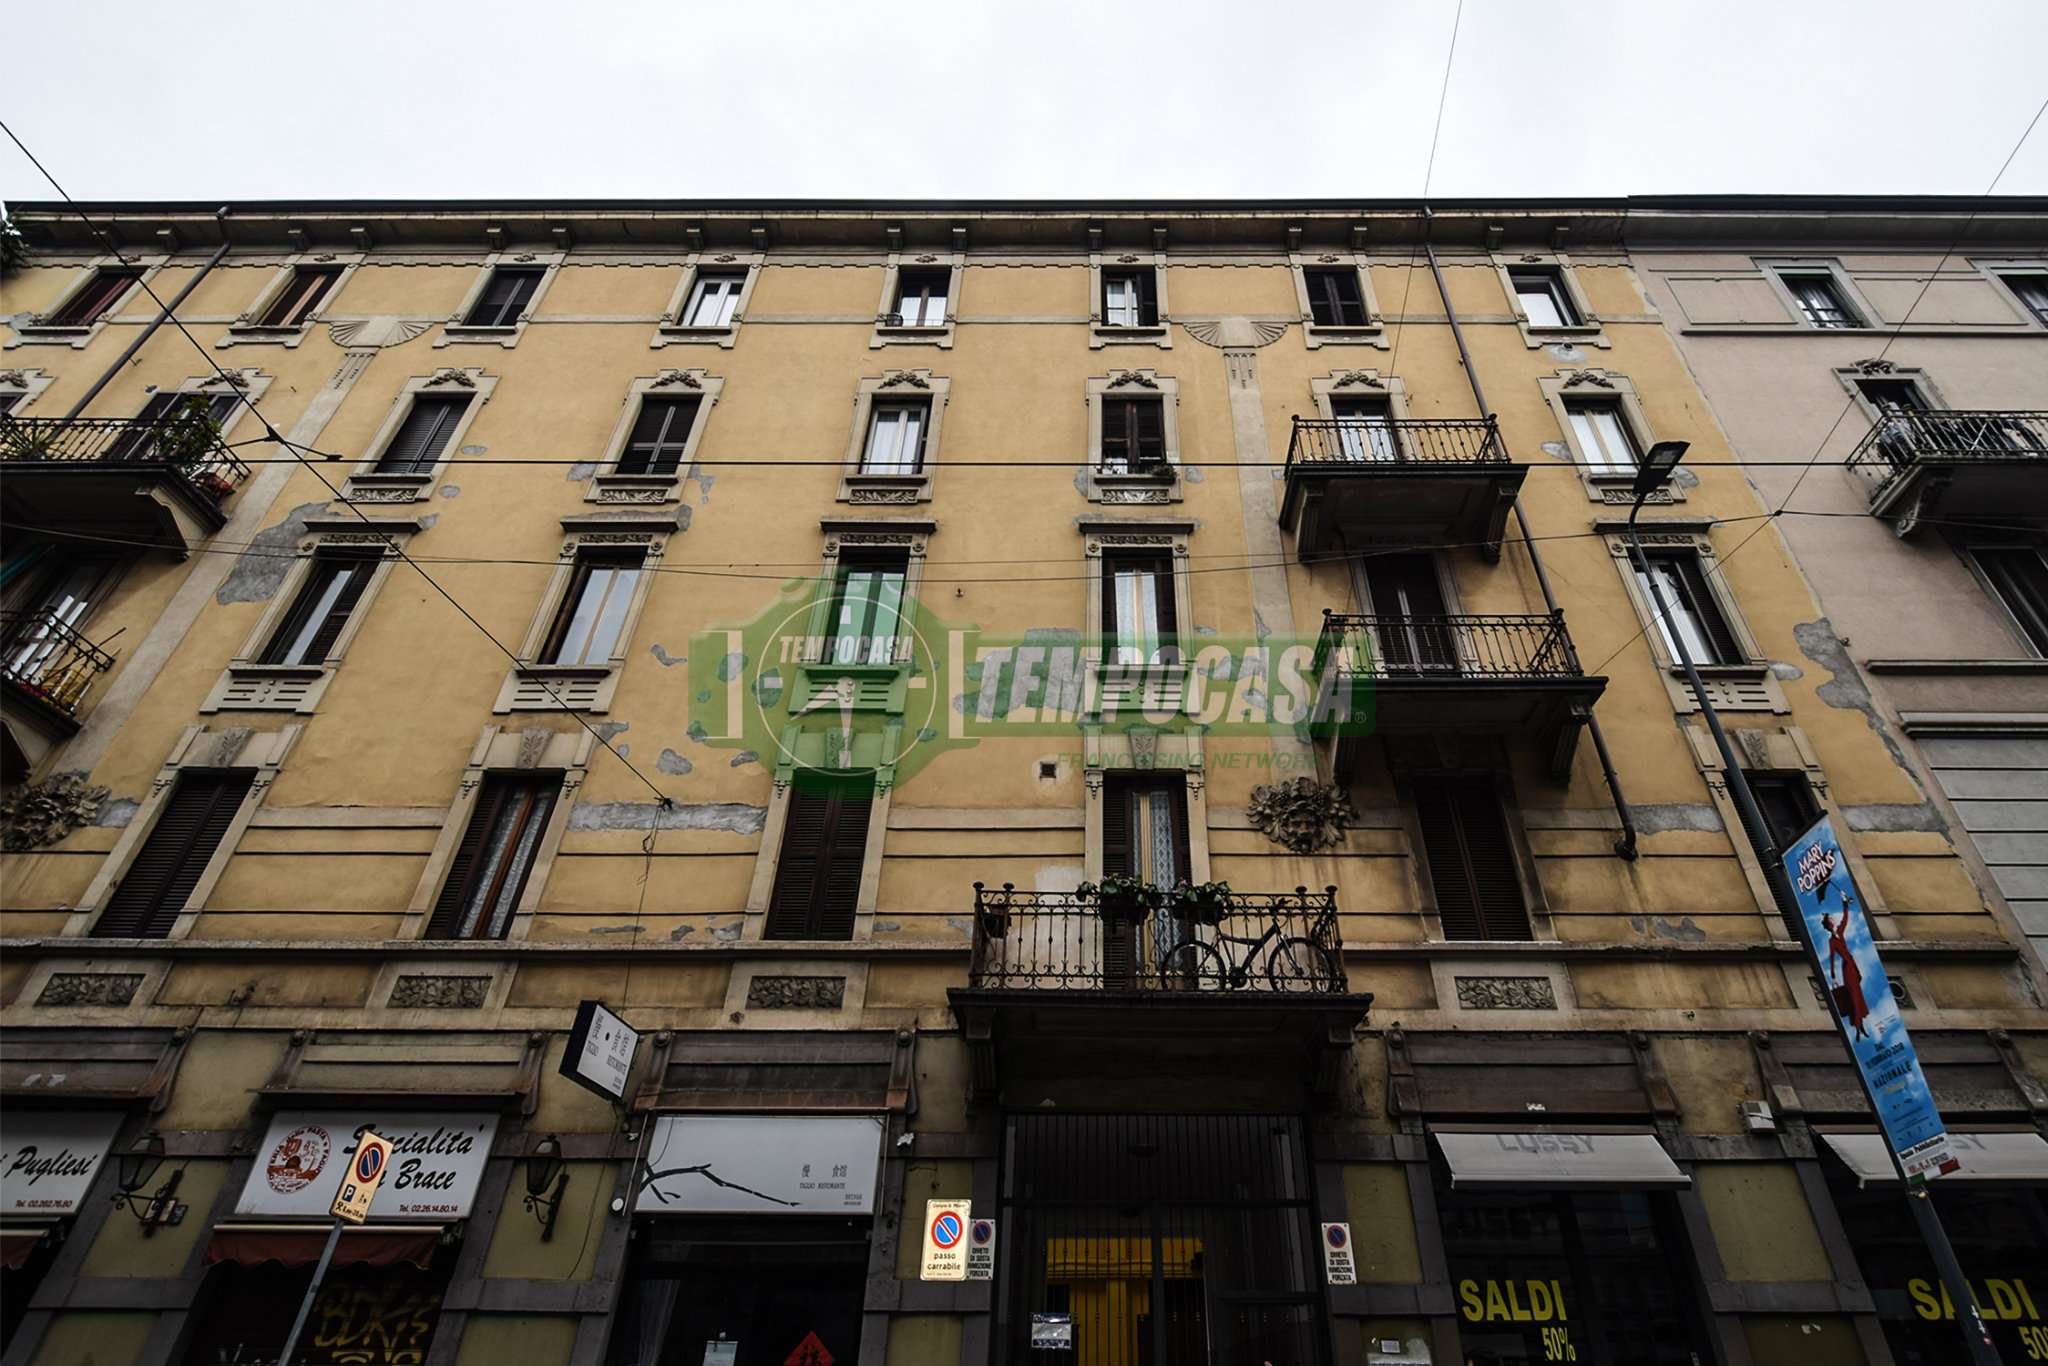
{"x": 1202, "y": 910}
{"x": 1122, "y": 908}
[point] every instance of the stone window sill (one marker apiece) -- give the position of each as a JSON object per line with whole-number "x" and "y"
{"x": 462, "y": 332}
{"x": 885, "y": 488}
{"x": 675, "y": 334}
{"x": 1102, "y": 334}
{"x": 374, "y": 487}
{"x": 251, "y": 334}
{"x": 613, "y": 487}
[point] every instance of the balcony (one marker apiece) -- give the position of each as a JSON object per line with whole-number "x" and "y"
{"x": 161, "y": 481}
{"x": 1074, "y": 994}
{"x": 1354, "y": 484}
{"x": 1506, "y": 675}
{"x": 46, "y": 668}
{"x": 1956, "y": 466}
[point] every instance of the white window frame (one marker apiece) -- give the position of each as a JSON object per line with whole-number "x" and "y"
{"x": 1996, "y": 270}
{"x": 672, "y": 331}
{"x": 910, "y": 536}
{"x": 34, "y": 332}
{"x": 940, "y": 335}
{"x": 1745, "y": 685}
{"x": 610, "y": 485}
{"x": 196, "y": 748}
{"x": 29, "y": 383}
{"x": 499, "y": 750}
{"x": 1603, "y": 484}
{"x": 1134, "y": 689}
{"x": 367, "y": 484}
{"x": 1372, "y": 333}
{"x": 455, "y": 331}
{"x": 1775, "y": 269}
{"x": 533, "y": 685}
{"x": 1133, "y": 489}
{"x": 249, "y": 684}
{"x": 245, "y": 331}
{"x": 856, "y": 486}
{"x": 1589, "y": 329}
{"x": 1360, "y": 384}
{"x": 1100, "y": 332}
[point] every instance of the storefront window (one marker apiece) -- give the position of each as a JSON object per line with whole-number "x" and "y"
{"x": 1593, "y": 1277}
{"x": 364, "y": 1315}
{"x": 2001, "y": 1239}
{"x": 743, "y": 1293}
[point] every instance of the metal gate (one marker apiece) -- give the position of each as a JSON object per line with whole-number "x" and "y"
{"x": 1158, "y": 1240}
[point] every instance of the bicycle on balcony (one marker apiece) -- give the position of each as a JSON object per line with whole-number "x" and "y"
{"x": 1233, "y": 962}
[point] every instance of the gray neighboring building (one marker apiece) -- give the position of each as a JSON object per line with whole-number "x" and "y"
{"x": 1901, "y": 347}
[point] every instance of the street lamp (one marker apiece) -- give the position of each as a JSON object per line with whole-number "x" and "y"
{"x": 545, "y": 1168}
{"x": 137, "y": 1168}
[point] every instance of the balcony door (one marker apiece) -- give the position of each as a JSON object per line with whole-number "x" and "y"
{"x": 1412, "y": 620}
{"x": 41, "y": 622}
{"x": 1365, "y": 429}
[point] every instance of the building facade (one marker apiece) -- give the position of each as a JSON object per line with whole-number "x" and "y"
{"x": 857, "y": 645}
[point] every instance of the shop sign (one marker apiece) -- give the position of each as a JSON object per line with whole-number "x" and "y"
{"x": 600, "y": 1052}
{"x": 1526, "y": 1301}
{"x": 721, "y": 1352}
{"x": 761, "y": 1164}
{"x": 48, "y": 1159}
{"x": 1832, "y": 914}
{"x": 1054, "y": 1332}
{"x": 981, "y": 1250}
{"x": 435, "y": 1163}
{"x": 359, "y": 1181}
{"x": 1339, "y": 1267}
{"x": 945, "y": 1240}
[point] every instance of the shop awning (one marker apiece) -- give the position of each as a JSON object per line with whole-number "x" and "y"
{"x": 18, "y": 1244}
{"x": 1985, "y": 1157}
{"x": 1511, "y": 1160}
{"x": 298, "y": 1245}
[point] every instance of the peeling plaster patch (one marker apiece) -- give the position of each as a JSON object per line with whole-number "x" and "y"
{"x": 729, "y": 934}
{"x": 1846, "y": 689}
{"x": 1191, "y": 473}
{"x": 607, "y": 729}
{"x": 1259, "y": 628}
{"x": 1205, "y": 630}
{"x": 116, "y": 812}
{"x": 668, "y": 661}
{"x": 1891, "y": 817}
{"x": 1786, "y": 672}
{"x": 672, "y": 762}
{"x": 703, "y": 695}
{"x": 449, "y": 491}
{"x": 474, "y": 449}
{"x": 697, "y": 732}
{"x": 1684, "y": 932}
{"x": 427, "y": 522}
{"x": 615, "y": 929}
{"x": 745, "y": 756}
{"x": 1081, "y": 481}
{"x": 1685, "y": 478}
{"x": 1658, "y": 818}
{"x": 624, "y": 751}
{"x": 259, "y": 571}
{"x": 1557, "y": 450}
{"x": 680, "y": 933}
{"x": 731, "y": 666}
{"x": 733, "y": 817}
{"x": 1565, "y": 351}
{"x": 581, "y": 471}
{"x": 768, "y": 690}
{"x": 888, "y": 927}
{"x": 960, "y": 923}
{"x": 927, "y": 734}
{"x": 704, "y": 483}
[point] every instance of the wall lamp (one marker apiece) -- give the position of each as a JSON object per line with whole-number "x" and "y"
{"x": 137, "y": 1168}
{"x": 545, "y": 1168}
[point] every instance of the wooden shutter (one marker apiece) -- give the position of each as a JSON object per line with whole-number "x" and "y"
{"x": 1787, "y": 803}
{"x": 1148, "y": 298}
{"x": 357, "y": 569}
{"x": 499, "y": 792}
{"x": 817, "y": 877}
{"x": 1162, "y": 589}
{"x": 1119, "y": 852}
{"x": 1471, "y": 859}
{"x": 98, "y": 296}
{"x": 423, "y": 435}
{"x": 194, "y": 820}
{"x": 1149, "y": 430}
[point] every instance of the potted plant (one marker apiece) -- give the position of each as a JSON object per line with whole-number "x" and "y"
{"x": 1122, "y": 898}
{"x": 1205, "y": 903}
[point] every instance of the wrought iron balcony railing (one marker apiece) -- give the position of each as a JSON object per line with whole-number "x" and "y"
{"x": 1367, "y": 443}
{"x": 1901, "y": 442}
{"x": 1476, "y": 647}
{"x": 41, "y": 654}
{"x": 1250, "y": 943}
{"x": 187, "y": 443}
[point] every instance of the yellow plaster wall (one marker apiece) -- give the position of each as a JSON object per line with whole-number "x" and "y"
{"x": 1761, "y": 1222}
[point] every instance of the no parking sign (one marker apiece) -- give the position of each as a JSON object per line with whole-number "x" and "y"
{"x": 945, "y": 1240}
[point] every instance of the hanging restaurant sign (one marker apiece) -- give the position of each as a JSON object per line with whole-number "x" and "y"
{"x": 1831, "y": 913}
{"x": 761, "y": 1164}
{"x": 436, "y": 1161}
{"x": 49, "y": 1158}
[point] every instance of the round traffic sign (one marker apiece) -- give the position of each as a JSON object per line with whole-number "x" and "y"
{"x": 1335, "y": 1235}
{"x": 984, "y": 1230}
{"x": 946, "y": 1230}
{"x": 369, "y": 1161}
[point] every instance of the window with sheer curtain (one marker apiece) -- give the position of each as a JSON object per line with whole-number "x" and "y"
{"x": 1604, "y": 440}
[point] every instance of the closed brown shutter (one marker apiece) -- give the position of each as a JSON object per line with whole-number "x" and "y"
{"x": 1118, "y": 853}
{"x": 1148, "y": 298}
{"x": 1471, "y": 859}
{"x": 176, "y": 851}
{"x": 1150, "y": 438}
{"x": 423, "y": 435}
{"x": 817, "y": 877}
{"x": 356, "y": 571}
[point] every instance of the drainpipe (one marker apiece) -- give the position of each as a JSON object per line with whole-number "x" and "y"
{"x": 1626, "y": 845}
{"x": 220, "y": 216}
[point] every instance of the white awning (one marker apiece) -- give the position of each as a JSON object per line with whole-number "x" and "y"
{"x": 1985, "y": 1157}
{"x": 1531, "y": 1161}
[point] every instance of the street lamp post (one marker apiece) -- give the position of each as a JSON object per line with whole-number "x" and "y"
{"x": 1652, "y": 474}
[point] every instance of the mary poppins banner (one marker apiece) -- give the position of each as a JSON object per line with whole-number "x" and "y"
{"x": 1852, "y": 974}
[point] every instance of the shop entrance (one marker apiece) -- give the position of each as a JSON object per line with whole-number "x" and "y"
{"x": 726, "y": 1292}
{"x": 1158, "y": 1240}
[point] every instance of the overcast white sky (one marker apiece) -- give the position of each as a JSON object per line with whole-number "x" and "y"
{"x": 1189, "y": 98}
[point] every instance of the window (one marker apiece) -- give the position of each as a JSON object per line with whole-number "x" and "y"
{"x": 714, "y": 298}
{"x": 423, "y": 435}
{"x": 660, "y": 434}
{"x": 505, "y": 296}
{"x": 10, "y": 399}
{"x": 188, "y": 830}
{"x": 2032, "y": 291}
{"x": 1545, "y": 301}
{"x": 2019, "y": 577}
{"x": 817, "y": 878}
{"x": 1133, "y": 435}
{"x": 1334, "y": 298}
{"x": 40, "y": 641}
{"x": 331, "y": 591}
{"x": 592, "y": 616}
{"x": 895, "y": 442}
{"x": 1414, "y": 632}
{"x": 1145, "y": 827}
{"x": 300, "y": 296}
{"x": 1365, "y": 427}
{"x": 867, "y": 608}
{"x": 1130, "y": 298}
{"x": 1788, "y": 805}
{"x": 488, "y": 873}
{"x": 1603, "y": 434}
{"x": 1138, "y": 618}
{"x": 921, "y": 298}
{"x": 1820, "y": 300}
{"x": 1691, "y": 613}
{"x": 1892, "y": 395}
{"x": 100, "y": 293}
{"x": 1470, "y": 857}
{"x": 141, "y": 440}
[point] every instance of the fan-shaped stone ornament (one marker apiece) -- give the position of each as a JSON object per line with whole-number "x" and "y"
{"x": 1234, "y": 334}
{"x": 375, "y": 334}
